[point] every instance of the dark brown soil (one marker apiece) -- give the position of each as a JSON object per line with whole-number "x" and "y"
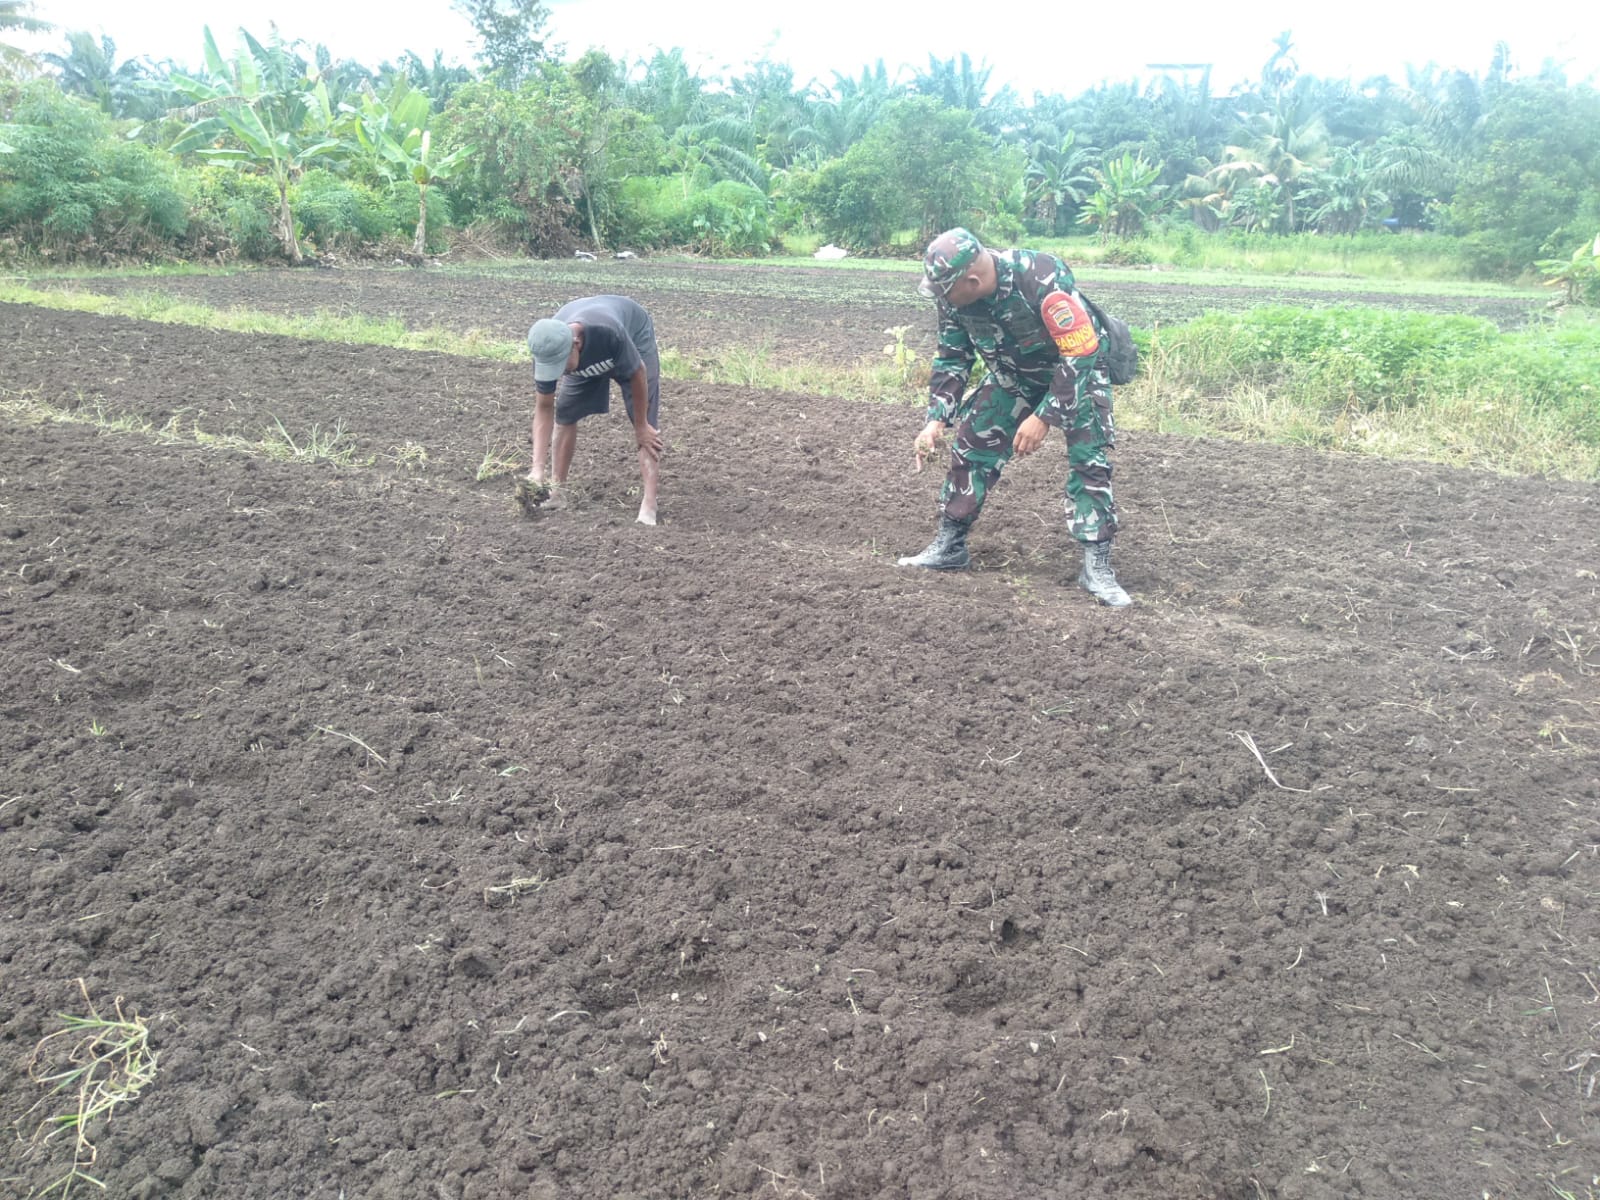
{"x": 455, "y": 853}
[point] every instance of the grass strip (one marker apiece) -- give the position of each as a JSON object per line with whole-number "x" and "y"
{"x": 743, "y": 366}
{"x": 1451, "y": 390}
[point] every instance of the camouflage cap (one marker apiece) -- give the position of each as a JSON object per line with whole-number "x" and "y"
{"x": 946, "y": 261}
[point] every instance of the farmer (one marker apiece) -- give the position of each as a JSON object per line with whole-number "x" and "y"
{"x": 1020, "y": 311}
{"x": 576, "y": 355}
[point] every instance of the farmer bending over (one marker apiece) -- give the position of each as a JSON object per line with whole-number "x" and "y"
{"x": 576, "y": 355}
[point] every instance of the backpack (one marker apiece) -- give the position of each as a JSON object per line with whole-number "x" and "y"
{"x": 1121, "y": 355}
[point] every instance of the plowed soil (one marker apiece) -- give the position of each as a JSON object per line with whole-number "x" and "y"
{"x": 454, "y": 853}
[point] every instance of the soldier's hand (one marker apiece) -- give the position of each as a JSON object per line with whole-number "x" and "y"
{"x": 927, "y": 443}
{"x": 1030, "y": 436}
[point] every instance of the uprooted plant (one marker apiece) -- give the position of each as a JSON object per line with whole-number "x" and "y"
{"x": 91, "y": 1065}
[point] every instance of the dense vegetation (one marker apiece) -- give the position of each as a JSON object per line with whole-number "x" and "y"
{"x": 279, "y": 147}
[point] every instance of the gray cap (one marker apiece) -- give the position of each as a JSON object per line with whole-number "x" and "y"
{"x": 551, "y": 343}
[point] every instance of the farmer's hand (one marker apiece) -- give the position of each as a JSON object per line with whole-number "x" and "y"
{"x": 927, "y": 443}
{"x": 1030, "y": 436}
{"x": 648, "y": 438}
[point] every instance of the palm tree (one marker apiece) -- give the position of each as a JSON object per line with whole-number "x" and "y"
{"x": 721, "y": 148}
{"x": 1281, "y": 69}
{"x": 1453, "y": 107}
{"x": 669, "y": 91}
{"x": 767, "y": 98}
{"x": 956, "y": 82}
{"x": 345, "y": 79}
{"x": 841, "y": 116}
{"x": 874, "y": 81}
{"x": 1206, "y": 198}
{"x": 1414, "y": 172}
{"x": 91, "y": 70}
{"x": 834, "y": 125}
{"x": 14, "y": 15}
{"x": 1057, "y": 178}
{"x": 1280, "y": 146}
{"x": 438, "y": 80}
{"x": 1190, "y": 110}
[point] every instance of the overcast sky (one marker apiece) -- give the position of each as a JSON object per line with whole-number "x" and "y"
{"x": 1353, "y": 39}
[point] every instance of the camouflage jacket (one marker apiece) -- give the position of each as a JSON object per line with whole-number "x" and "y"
{"x": 1016, "y": 332}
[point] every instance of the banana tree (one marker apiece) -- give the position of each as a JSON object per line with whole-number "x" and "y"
{"x": 263, "y": 113}
{"x": 1128, "y": 197}
{"x": 1578, "y": 276}
{"x": 1345, "y": 194}
{"x": 392, "y": 133}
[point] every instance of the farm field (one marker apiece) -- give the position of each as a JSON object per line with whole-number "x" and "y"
{"x": 451, "y": 852}
{"x": 794, "y": 314}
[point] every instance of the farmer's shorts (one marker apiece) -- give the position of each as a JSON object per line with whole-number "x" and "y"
{"x": 579, "y": 398}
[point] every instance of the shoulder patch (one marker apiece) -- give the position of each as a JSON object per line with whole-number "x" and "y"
{"x": 1069, "y": 324}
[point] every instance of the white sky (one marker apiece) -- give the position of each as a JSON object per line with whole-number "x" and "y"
{"x": 1353, "y": 39}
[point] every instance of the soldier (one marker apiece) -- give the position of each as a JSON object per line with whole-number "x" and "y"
{"x": 1020, "y": 311}
{"x": 585, "y": 346}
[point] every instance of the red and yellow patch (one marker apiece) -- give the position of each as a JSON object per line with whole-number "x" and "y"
{"x": 1069, "y": 325}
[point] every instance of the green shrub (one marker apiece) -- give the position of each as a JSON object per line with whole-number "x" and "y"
{"x": 854, "y": 200}
{"x": 1490, "y": 254}
{"x": 529, "y": 151}
{"x": 1133, "y": 253}
{"x": 648, "y": 211}
{"x": 727, "y": 218}
{"x": 237, "y": 213}
{"x": 1363, "y": 359}
{"x": 1531, "y": 181}
{"x": 730, "y": 218}
{"x": 73, "y": 188}
{"x": 1003, "y": 229}
{"x": 251, "y": 233}
{"x": 339, "y": 214}
{"x": 1554, "y": 367}
{"x": 1186, "y": 252}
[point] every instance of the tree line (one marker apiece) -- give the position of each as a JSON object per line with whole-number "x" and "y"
{"x": 276, "y": 144}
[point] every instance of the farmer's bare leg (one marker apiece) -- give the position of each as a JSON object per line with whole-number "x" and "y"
{"x": 647, "y": 436}
{"x": 650, "y": 473}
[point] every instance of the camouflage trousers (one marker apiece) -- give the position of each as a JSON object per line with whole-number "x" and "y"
{"x": 983, "y": 447}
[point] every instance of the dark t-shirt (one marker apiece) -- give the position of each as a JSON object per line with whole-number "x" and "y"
{"x": 618, "y": 337}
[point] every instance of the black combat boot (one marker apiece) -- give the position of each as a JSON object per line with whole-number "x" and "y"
{"x": 1099, "y": 579}
{"x": 947, "y": 551}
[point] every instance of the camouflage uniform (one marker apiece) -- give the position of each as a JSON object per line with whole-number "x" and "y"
{"x": 1026, "y": 374}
